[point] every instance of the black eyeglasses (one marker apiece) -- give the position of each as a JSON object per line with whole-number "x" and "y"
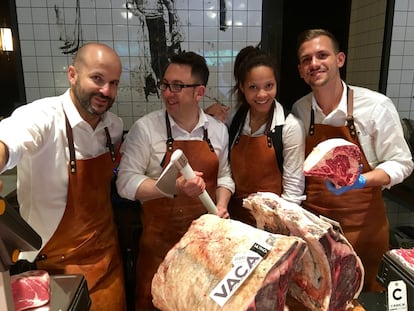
{"x": 174, "y": 87}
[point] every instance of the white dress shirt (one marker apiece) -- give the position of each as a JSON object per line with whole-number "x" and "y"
{"x": 378, "y": 128}
{"x": 36, "y": 137}
{"x": 293, "y": 138}
{"x": 145, "y": 146}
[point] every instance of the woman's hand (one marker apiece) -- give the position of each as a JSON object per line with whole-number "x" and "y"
{"x": 222, "y": 211}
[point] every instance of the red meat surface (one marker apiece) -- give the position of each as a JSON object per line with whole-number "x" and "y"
{"x": 336, "y": 160}
{"x": 30, "y": 289}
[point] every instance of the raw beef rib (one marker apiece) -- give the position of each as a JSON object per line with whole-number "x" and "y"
{"x": 30, "y": 289}
{"x": 335, "y": 159}
{"x": 331, "y": 274}
{"x": 209, "y": 262}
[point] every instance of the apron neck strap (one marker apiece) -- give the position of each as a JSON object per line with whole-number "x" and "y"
{"x": 349, "y": 118}
{"x": 69, "y": 134}
{"x": 71, "y": 145}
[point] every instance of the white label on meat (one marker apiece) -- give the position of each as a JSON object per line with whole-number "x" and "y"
{"x": 243, "y": 266}
{"x": 397, "y": 296}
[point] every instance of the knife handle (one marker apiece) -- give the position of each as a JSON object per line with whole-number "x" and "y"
{"x": 208, "y": 203}
{"x": 188, "y": 173}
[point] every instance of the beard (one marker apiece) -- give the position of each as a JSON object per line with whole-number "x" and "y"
{"x": 85, "y": 99}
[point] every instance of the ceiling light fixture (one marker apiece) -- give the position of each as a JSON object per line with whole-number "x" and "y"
{"x": 6, "y": 40}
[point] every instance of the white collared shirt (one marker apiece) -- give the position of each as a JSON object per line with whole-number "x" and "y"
{"x": 378, "y": 128}
{"x": 36, "y": 137}
{"x": 145, "y": 145}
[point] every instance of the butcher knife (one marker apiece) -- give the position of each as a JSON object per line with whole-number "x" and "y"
{"x": 166, "y": 182}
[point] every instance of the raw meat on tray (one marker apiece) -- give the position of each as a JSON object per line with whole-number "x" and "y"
{"x": 30, "y": 289}
{"x": 405, "y": 256}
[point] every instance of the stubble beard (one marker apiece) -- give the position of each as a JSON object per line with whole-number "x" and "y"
{"x": 84, "y": 99}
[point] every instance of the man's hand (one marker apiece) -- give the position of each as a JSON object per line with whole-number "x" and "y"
{"x": 218, "y": 111}
{"x": 358, "y": 184}
{"x": 192, "y": 187}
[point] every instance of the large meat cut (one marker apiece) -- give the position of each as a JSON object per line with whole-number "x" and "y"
{"x": 335, "y": 159}
{"x": 30, "y": 289}
{"x": 331, "y": 274}
{"x": 223, "y": 264}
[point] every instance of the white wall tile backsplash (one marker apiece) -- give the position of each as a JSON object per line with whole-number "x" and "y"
{"x": 401, "y": 65}
{"x": 25, "y": 15}
{"x": 366, "y": 33}
{"x": 46, "y": 26}
{"x": 50, "y": 31}
{"x": 39, "y": 3}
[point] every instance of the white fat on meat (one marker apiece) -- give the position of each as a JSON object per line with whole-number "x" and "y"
{"x": 199, "y": 265}
{"x": 30, "y": 289}
{"x": 335, "y": 159}
{"x": 330, "y": 275}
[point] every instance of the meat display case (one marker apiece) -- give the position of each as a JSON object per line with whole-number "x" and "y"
{"x": 67, "y": 292}
{"x": 393, "y": 269}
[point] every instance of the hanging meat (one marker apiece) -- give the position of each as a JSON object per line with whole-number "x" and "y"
{"x": 331, "y": 274}
{"x": 335, "y": 159}
{"x": 223, "y": 264}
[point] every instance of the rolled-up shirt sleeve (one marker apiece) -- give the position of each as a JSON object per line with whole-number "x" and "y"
{"x": 386, "y": 148}
{"x": 132, "y": 170}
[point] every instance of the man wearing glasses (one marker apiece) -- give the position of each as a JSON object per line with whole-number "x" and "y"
{"x": 147, "y": 150}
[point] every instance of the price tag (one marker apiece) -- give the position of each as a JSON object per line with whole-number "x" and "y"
{"x": 397, "y": 296}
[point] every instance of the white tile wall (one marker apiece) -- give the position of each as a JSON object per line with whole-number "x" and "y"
{"x": 401, "y": 74}
{"x": 365, "y": 43}
{"x": 44, "y": 26}
{"x": 42, "y": 33}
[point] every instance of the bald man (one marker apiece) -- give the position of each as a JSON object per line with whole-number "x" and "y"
{"x": 63, "y": 148}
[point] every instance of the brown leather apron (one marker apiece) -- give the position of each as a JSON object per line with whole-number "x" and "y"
{"x": 86, "y": 240}
{"x": 165, "y": 220}
{"x": 361, "y": 212}
{"x": 254, "y": 168}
